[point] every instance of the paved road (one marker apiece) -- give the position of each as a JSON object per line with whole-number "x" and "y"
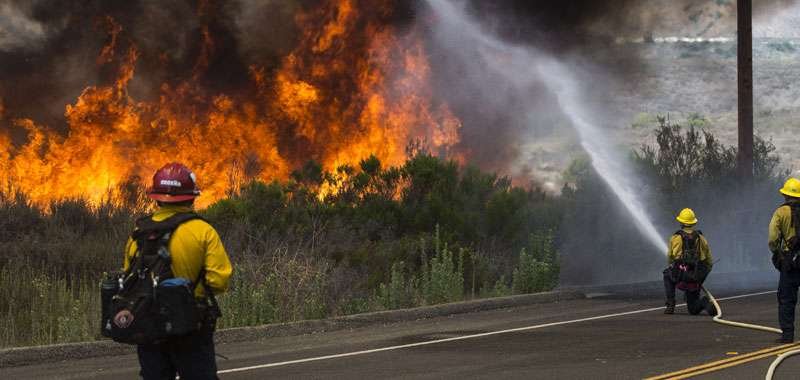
{"x": 604, "y": 337}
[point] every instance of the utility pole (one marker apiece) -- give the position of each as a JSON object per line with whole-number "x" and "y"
{"x": 744, "y": 60}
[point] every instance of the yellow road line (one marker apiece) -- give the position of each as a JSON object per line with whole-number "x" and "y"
{"x": 726, "y": 363}
{"x": 733, "y": 364}
{"x": 720, "y": 362}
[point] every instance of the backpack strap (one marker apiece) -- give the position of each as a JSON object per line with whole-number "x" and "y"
{"x": 793, "y": 244}
{"x": 693, "y": 237}
{"x": 148, "y": 229}
{"x": 147, "y": 225}
{"x": 795, "y": 207}
{"x": 683, "y": 233}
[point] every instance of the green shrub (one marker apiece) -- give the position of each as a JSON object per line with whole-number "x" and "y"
{"x": 399, "y": 292}
{"x": 499, "y": 289}
{"x": 443, "y": 277}
{"x": 248, "y": 302}
{"x": 685, "y": 157}
{"x": 37, "y": 308}
{"x": 281, "y": 288}
{"x": 531, "y": 275}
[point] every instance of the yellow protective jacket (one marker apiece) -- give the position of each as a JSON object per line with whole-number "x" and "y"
{"x": 676, "y": 249}
{"x": 780, "y": 229}
{"x": 194, "y": 245}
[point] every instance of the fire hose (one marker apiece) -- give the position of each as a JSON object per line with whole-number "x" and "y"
{"x": 718, "y": 318}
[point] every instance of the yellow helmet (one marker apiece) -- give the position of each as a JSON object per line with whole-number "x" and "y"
{"x": 791, "y": 188}
{"x": 687, "y": 217}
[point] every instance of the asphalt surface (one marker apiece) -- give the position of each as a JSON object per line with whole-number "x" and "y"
{"x": 564, "y": 340}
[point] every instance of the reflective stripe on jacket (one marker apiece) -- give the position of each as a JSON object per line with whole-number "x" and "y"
{"x": 194, "y": 245}
{"x": 676, "y": 249}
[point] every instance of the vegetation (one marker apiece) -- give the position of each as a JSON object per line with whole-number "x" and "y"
{"x": 427, "y": 232}
{"x": 370, "y": 237}
{"x": 538, "y": 270}
{"x": 685, "y": 158}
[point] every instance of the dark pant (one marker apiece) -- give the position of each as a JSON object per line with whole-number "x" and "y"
{"x": 191, "y": 356}
{"x": 787, "y": 300}
{"x": 695, "y": 302}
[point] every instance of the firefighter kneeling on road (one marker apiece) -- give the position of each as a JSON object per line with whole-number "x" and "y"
{"x": 689, "y": 259}
{"x": 785, "y": 247}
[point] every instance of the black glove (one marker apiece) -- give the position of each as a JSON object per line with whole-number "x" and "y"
{"x": 701, "y": 272}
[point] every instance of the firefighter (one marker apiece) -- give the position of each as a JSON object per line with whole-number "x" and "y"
{"x": 689, "y": 259}
{"x": 196, "y": 253}
{"x": 784, "y": 246}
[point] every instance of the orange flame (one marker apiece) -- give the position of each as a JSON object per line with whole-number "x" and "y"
{"x": 352, "y": 87}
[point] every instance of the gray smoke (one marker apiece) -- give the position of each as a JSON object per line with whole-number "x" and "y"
{"x": 539, "y": 94}
{"x": 527, "y": 94}
{"x": 18, "y": 31}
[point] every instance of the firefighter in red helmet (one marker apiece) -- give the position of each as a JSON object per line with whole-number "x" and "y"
{"x": 196, "y": 254}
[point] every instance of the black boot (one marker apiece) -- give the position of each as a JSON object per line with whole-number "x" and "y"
{"x": 670, "y": 309}
{"x": 784, "y": 340}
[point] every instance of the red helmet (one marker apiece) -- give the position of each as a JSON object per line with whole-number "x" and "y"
{"x": 174, "y": 183}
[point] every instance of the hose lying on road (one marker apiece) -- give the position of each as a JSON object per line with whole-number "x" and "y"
{"x": 718, "y": 318}
{"x": 774, "y": 366}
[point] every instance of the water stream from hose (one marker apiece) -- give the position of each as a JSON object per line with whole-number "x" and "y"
{"x": 523, "y": 68}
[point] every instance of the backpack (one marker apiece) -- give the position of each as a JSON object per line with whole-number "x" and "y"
{"x": 162, "y": 306}
{"x": 790, "y": 260}
{"x": 689, "y": 269}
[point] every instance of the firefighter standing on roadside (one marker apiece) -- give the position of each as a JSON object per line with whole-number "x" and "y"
{"x": 689, "y": 259}
{"x": 195, "y": 248}
{"x": 783, "y": 243}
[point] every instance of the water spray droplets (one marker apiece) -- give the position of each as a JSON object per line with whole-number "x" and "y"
{"x": 523, "y": 68}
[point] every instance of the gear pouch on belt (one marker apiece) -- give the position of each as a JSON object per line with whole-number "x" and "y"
{"x": 145, "y": 326}
{"x": 787, "y": 261}
{"x": 177, "y": 307}
{"x": 143, "y": 329}
{"x": 109, "y": 287}
{"x": 776, "y": 261}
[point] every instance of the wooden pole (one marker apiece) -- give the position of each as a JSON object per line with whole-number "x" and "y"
{"x": 744, "y": 48}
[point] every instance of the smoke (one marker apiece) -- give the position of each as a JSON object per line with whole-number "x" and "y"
{"x": 49, "y": 49}
{"x": 509, "y": 126}
{"x": 17, "y": 29}
{"x": 539, "y": 94}
{"x": 568, "y": 20}
{"x": 262, "y": 41}
{"x": 533, "y": 82}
